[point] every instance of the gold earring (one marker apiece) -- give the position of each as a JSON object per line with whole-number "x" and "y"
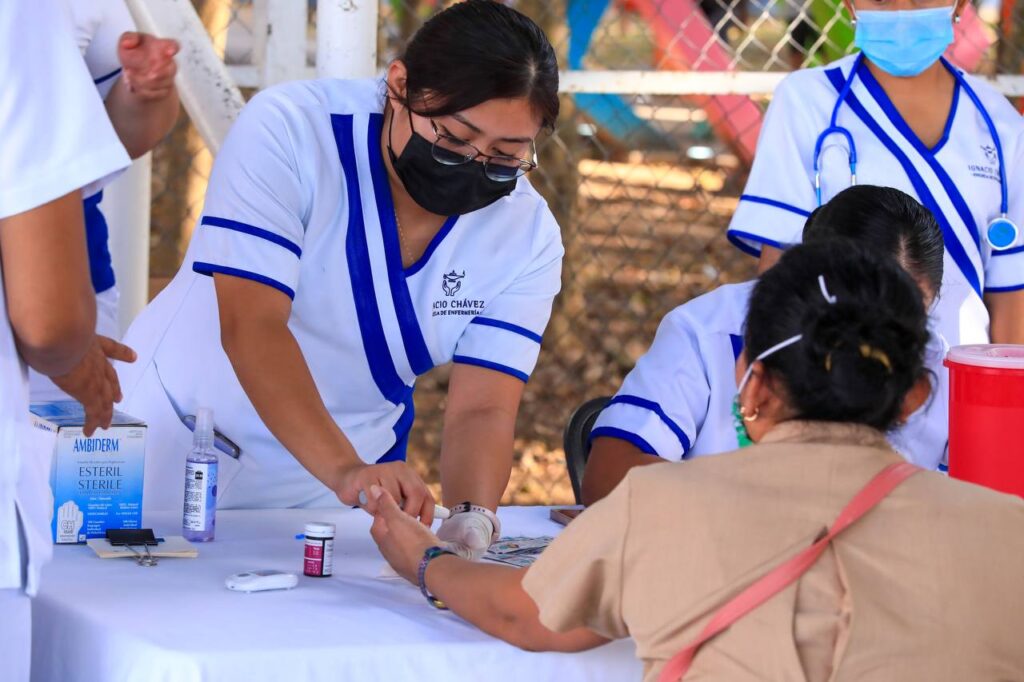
{"x": 752, "y": 417}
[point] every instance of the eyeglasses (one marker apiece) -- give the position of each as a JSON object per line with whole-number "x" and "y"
{"x": 451, "y": 151}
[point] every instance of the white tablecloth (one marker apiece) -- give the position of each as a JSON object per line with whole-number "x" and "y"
{"x": 112, "y": 620}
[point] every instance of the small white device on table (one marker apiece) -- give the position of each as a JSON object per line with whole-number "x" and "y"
{"x": 261, "y": 581}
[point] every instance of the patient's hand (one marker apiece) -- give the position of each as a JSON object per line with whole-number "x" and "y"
{"x": 401, "y": 538}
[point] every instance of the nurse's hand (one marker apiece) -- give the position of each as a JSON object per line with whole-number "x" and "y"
{"x": 148, "y": 64}
{"x": 93, "y": 382}
{"x": 401, "y": 540}
{"x": 467, "y": 534}
{"x": 397, "y": 478}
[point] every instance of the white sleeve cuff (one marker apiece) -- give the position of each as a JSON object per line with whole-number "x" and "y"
{"x": 1005, "y": 271}
{"x": 234, "y": 248}
{"x": 501, "y": 346}
{"x": 761, "y": 221}
{"x": 646, "y": 427}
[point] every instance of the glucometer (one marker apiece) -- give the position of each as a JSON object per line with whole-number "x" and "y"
{"x": 261, "y": 581}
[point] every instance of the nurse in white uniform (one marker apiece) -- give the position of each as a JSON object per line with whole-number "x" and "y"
{"x": 898, "y": 114}
{"x": 355, "y": 235}
{"x": 55, "y": 139}
{"x": 134, "y": 75}
{"x": 678, "y": 402}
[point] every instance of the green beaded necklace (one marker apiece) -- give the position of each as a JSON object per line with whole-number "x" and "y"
{"x": 742, "y": 436}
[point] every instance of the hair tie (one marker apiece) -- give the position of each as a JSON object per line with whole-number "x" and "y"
{"x": 871, "y": 353}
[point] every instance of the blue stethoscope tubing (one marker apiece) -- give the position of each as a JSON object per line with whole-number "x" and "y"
{"x": 1002, "y": 232}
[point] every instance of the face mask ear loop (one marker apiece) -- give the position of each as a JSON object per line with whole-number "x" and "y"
{"x": 783, "y": 344}
{"x": 824, "y": 290}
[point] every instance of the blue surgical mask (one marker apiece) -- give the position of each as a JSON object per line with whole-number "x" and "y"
{"x": 904, "y": 42}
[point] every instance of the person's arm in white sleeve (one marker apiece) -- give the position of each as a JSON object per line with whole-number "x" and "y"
{"x": 143, "y": 104}
{"x": 50, "y": 302}
{"x": 779, "y": 194}
{"x": 56, "y": 140}
{"x": 1004, "y": 272}
{"x": 656, "y": 414}
{"x": 493, "y": 360}
{"x": 250, "y": 240}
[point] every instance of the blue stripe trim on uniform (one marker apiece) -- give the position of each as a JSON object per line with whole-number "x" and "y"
{"x": 97, "y": 244}
{"x": 399, "y": 451}
{"x": 408, "y": 323}
{"x": 110, "y": 75}
{"x": 737, "y": 237}
{"x": 654, "y": 407}
{"x": 622, "y": 434}
{"x": 507, "y": 326}
{"x": 878, "y": 94}
{"x": 737, "y": 345}
{"x": 1008, "y": 252}
{"x": 753, "y": 198}
{"x": 1003, "y": 290}
{"x": 949, "y": 121}
{"x": 487, "y": 364}
{"x": 245, "y": 228}
{"x": 953, "y": 245}
{"x": 371, "y": 330}
{"x": 210, "y": 269}
{"x": 432, "y": 246}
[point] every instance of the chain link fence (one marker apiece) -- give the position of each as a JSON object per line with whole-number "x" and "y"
{"x": 643, "y": 186}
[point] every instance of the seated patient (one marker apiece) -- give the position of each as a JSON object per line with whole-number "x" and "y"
{"x": 677, "y": 403}
{"x": 925, "y": 586}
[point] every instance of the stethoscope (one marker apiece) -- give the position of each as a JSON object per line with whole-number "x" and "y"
{"x": 1002, "y": 232}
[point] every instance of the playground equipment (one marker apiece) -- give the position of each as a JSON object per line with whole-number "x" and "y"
{"x": 687, "y": 41}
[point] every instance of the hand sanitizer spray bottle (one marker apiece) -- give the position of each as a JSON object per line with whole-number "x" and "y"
{"x": 200, "y": 481}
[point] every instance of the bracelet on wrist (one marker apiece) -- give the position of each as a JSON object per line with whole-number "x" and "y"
{"x": 428, "y": 556}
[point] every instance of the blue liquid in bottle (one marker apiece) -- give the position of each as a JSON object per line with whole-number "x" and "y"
{"x": 200, "y": 507}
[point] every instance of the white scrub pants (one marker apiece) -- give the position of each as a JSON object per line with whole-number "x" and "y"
{"x": 16, "y": 626}
{"x": 41, "y": 389}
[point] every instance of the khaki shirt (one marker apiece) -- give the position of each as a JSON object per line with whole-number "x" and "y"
{"x": 929, "y": 585}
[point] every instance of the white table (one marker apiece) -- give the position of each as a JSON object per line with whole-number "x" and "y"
{"x": 112, "y": 620}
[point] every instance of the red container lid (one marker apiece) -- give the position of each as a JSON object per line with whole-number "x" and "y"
{"x": 996, "y": 356}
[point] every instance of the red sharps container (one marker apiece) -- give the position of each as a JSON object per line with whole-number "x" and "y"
{"x": 986, "y": 411}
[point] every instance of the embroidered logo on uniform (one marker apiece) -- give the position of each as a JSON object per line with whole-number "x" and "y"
{"x": 451, "y": 283}
{"x": 989, "y": 170}
{"x": 448, "y": 305}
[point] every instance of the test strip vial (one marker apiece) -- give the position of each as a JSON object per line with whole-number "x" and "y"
{"x": 319, "y": 550}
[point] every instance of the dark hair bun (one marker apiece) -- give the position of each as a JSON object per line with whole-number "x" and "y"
{"x": 859, "y": 355}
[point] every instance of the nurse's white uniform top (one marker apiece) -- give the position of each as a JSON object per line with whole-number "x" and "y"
{"x": 56, "y": 138}
{"x": 97, "y": 27}
{"x": 299, "y": 201}
{"x": 677, "y": 402}
{"x": 957, "y": 179}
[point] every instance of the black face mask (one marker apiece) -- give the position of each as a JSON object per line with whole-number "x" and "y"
{"x": 444, "y": 190}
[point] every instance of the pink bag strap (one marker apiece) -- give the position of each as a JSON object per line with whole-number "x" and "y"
{"x": 777, "y": 579}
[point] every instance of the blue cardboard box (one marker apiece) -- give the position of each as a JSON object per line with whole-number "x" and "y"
{"x": 96, "y": 481}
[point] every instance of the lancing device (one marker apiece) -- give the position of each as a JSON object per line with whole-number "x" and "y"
{"x": 439, "y": 511}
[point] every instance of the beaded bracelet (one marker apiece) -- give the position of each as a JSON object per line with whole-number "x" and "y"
{"x": 428, "y": 556}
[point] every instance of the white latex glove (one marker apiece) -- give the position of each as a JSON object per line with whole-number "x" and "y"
{"x": 69, "y": 522}
{"x": 468, "y": 534}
